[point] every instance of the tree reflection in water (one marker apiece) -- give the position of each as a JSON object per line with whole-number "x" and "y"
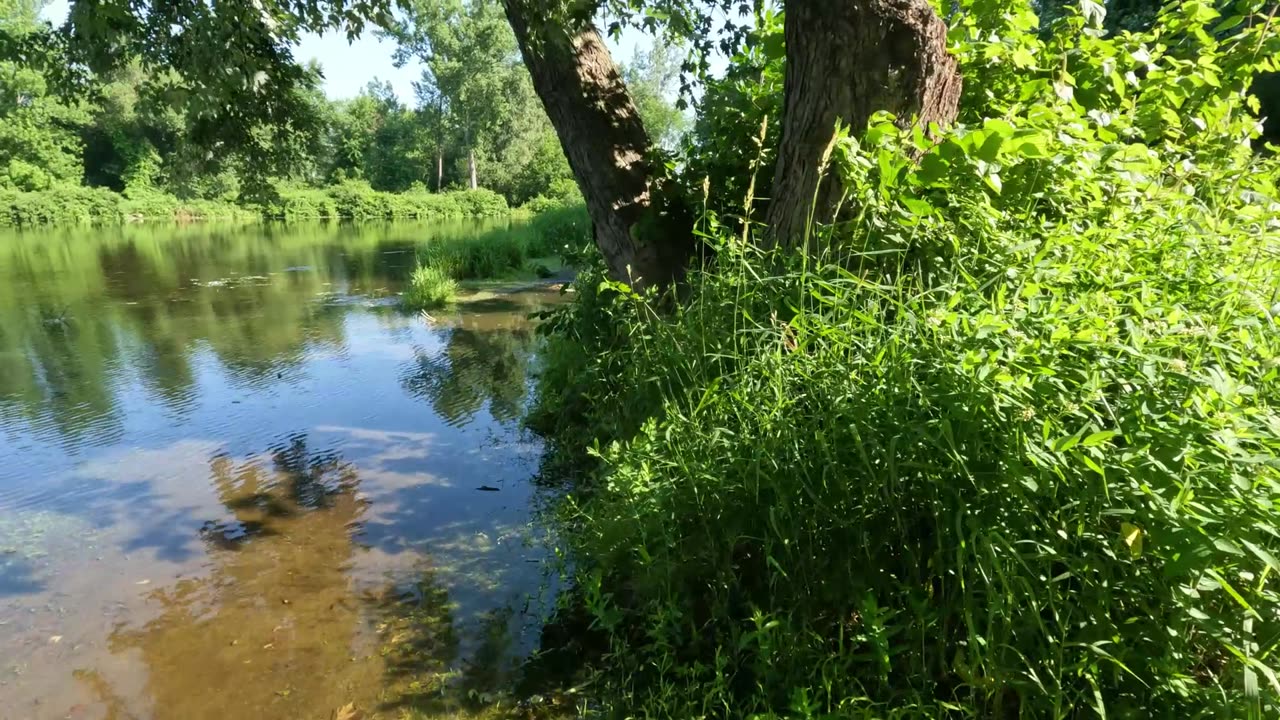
{"x": 485, "y": 361}
{"x": 275, "y": 629}
{"x": 279, "y": 630}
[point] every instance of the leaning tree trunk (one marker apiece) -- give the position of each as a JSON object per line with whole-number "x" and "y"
{"x": 643, "y": 241}
{"x": 846, "y": 60}
{"x": 471, "y": 167}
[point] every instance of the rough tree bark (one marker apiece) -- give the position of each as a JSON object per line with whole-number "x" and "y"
{"x": 643, "y": 241}
{"x": 847, "y": 59}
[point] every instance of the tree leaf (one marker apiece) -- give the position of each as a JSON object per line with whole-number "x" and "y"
{"x": 1263, "y": 555}
{"x": 1132, "y": 538}
{"x": 1098, "y": 438}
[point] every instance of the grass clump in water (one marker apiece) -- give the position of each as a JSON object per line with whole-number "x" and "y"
{"x": 429, "y": 288}
{"x": 509, "y": 252}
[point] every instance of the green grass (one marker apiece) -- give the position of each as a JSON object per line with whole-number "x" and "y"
{"x": 997, "y": 451}
{"x": 429, "y": 288}
{"x": 528, "y": 249}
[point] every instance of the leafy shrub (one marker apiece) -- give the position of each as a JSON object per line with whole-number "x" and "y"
{"x": 300, "y": 203}
{"x": 480, "y": 203}
{"x": 60, "y": 205}
{"x": 470, "y": 257}
{"x": 191, "y": 210}
{"x": 1007, "y": 448}
{"x": 149, "y": 203}
{"x": 429, "y": 288}
{"x": 558, "y": 227}
{"x": 422, "y": 205}
{"x": 356, "y": 200}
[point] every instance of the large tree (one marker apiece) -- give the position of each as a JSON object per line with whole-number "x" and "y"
{"x": 472, "y": 66}
{"x": 847, "y": 60}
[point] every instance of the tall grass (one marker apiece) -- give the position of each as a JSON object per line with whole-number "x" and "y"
{"x": 999, "y": 451}
{"x": 552, "y": 229}
{"x": 490, "y": 254}
{"x": 429, "y": 288}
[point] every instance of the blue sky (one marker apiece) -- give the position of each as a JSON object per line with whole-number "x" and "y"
{"x": 348, "y": 67}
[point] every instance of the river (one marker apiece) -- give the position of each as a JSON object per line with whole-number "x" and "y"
{"x": 236, "y": 481}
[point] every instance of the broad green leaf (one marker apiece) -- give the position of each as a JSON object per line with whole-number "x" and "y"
{"x": 918, "y": 207}
{"x": 990, "y": 149}
{"x": 1098, "y": 438}
{"x": 1263, "y": 555}
{"x": 1132, "y": 535}
{"x": 1222, "y": 582}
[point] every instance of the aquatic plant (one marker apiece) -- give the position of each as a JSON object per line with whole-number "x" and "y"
{"x": 429, "y": 287}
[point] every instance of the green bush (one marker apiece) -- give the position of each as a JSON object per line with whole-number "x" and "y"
{"x": 422, "y": 205}
{"x": 349, "y": 199}
{"x": 295, "y": 202}
{"x": 61, "y": 205}
{"x": 559, "y": 228}
{"x": 191, "y": 210}
{"x": 143, "y": 204}
{"x": 1006, "y": 448}
{"x": 488, "y": 255}
{"x": 148, "y": 203}
{"x": 356, "y": 200}
{"x": 480, "y": 203}
{"x": 429, "y": 288}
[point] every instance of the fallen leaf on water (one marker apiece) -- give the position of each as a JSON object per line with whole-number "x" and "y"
{"x": 347, "y": 712}
{"x": 55, "y": 639}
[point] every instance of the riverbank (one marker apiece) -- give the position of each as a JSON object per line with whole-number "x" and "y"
{"x": 349, "y": 200}
{"x": 996, "y": 450}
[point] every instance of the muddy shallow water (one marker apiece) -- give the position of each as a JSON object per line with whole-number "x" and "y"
{"x": 235, "y": 481}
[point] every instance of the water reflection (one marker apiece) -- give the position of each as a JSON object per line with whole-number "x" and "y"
{"x": 277, "y": 614}
{"x": 237, "y": 483}
{"x": 485, "y": 362}
{"x": 82, "y": 311}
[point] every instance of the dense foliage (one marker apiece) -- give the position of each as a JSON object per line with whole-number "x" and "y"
{"x": 1006, "y": 447}
{"x": 131, "y": 130}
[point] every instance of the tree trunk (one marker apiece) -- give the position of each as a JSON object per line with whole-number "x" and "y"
{"x": 644, "y": 236}
{"x": 471, "y": 166}
{"x": 439, "y": 168}
{"x": 846, "y": 60}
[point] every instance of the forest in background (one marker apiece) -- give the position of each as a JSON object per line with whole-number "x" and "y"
{"x": 122, "y": 148}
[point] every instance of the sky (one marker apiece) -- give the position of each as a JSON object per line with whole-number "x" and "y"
{"x": 349, "y": 67}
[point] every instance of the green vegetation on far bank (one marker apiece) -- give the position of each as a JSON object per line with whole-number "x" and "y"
{"x": 349, "y": 200}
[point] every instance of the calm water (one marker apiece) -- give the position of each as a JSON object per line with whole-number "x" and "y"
{"x": 237, "y": 482}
